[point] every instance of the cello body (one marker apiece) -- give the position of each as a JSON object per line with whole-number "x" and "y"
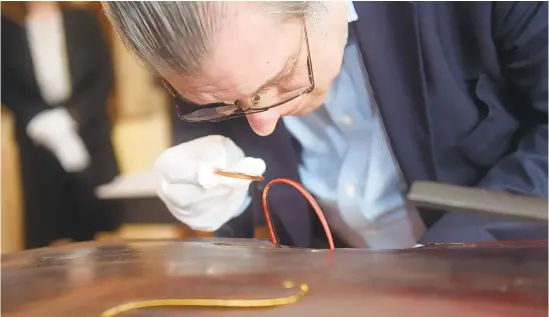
{"x": 86, "y": 279}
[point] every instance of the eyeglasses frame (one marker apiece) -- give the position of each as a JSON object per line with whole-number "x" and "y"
{"x": 180, "y": 102}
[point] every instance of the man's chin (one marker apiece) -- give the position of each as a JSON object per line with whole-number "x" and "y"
{"x": 302, "y": 112}
{"x": 299, "y": 111}
{"x": 264, "y": 123}
{"x": 306, "y": 106}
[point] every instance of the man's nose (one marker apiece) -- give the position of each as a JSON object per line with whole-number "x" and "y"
{"x": 264, "y": 123}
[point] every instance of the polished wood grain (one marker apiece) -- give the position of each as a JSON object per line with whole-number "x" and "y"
{"x": 438, "y": 280}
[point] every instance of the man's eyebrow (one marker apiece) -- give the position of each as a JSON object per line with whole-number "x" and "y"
{"x": 288, "y": 69}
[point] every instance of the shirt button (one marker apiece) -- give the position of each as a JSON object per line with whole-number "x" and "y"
{"x": 347, "y": 119}
{"x": 350, "y": 190}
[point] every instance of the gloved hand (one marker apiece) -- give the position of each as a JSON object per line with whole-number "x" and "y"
{"x": 56, "y": 130}
{"x": 190, "y": 189}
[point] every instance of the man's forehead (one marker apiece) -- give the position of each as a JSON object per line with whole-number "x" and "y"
{"x": 245, "y": 55}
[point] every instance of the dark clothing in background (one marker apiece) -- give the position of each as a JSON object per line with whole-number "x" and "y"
{"x": 462, "y": 90}
{"x": 58, "y": 204}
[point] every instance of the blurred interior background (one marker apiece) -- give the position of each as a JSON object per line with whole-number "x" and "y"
{"x": 139, "y": 109}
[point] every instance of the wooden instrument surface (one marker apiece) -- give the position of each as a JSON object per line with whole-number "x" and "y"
{"x": 447, "y": 280}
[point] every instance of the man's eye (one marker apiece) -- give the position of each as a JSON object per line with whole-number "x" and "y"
{"x": 257, "y": 97}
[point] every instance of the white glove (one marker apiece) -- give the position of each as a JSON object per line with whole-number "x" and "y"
{"x": 56, "y": 130}
{"x": 193, "y": 193}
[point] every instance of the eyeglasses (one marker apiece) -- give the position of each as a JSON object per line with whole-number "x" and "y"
{"x": 218, "y": 112}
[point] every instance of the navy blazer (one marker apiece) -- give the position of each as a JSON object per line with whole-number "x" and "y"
{"x": 462, "y": 90}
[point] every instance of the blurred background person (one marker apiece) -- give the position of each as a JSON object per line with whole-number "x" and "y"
{"x": 56, "y": 80}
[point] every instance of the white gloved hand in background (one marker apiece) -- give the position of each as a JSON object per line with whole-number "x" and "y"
{"x": 190, "y": 189}
{"x": 57, "y": 131}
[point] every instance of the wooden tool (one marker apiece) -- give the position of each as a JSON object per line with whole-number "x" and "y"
{"x": 231, "y": 174}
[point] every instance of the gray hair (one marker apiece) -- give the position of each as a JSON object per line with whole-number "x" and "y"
{"x": 176, "y": 36}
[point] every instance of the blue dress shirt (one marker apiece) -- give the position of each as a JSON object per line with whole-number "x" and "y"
{"x": 348, "y": 165}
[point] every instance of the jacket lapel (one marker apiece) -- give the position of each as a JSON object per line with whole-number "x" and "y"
{"x": 388, "y": 37}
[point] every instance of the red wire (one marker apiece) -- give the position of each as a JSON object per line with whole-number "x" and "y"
{"x": 307, "y": 196}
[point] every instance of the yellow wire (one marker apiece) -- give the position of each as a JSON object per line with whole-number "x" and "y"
{"x": 303, "y": 288}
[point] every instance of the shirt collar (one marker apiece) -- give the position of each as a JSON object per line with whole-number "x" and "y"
{"x": 351, "y": 15}
{"x": 351, "y": 12}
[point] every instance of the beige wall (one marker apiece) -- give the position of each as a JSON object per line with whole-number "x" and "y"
{"x": 142, "y": 128}
{"x": 11, "y": 189}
